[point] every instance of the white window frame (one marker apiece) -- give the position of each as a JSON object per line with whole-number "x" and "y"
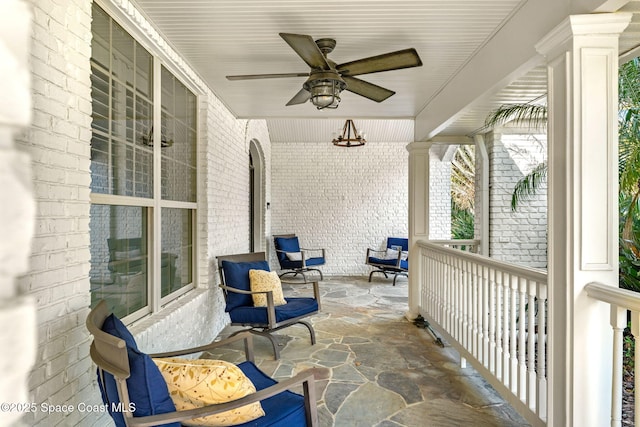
{"x": 154, "y": 205}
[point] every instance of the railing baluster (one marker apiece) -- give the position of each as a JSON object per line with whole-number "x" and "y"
{"x": 522, "y": 334}
{"x": 618, "y": 323}
{"x": 498, "y": 316}
{"x": 513, "y": 329}
{"x": 474, "y": 309}
{"x": 468, "y": 306}
{"x": 531, "y": 349}
{"x": 506, "y": 305}
{"x": 541, "y": 291}
{"x": 485, "y": 317}
{"x": 492, "y": 320}
{"x": 455, "y": 309}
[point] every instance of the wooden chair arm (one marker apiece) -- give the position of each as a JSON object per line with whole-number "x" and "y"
{"x": 245, "y": 336}
{"x": 271, "y": 307}
{"x": 242, "y": 291}
{"x": 305, "y": 378}
{"x": 369, "y": 250}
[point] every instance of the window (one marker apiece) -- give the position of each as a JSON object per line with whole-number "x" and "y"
{"x": 143, "y": 187}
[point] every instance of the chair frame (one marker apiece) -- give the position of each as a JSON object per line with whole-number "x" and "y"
{"x": 109, "y": 353}
{"x": 395, "y": 269}
{"x": 303, "y": 252}
{"x": 265, "y": 329}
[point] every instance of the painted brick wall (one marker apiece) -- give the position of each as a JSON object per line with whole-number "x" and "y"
{"x": 439, "y": 200}
{"x": 343, "y": 200}
{"x": 58, "y": 143}
{"x": 519, "y": 237}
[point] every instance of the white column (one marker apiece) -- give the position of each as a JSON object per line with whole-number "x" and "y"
{"x": 418, "y": 217}
{"x": 582, "y": 57}
{"x": 17, "y": 211}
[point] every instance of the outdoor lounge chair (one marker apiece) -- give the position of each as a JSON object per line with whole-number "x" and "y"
{"x": 236, "y": 284}
{"x": 296, "y": 259}
{"x": 393, "y": 260}
{"x": 136, "y": 393}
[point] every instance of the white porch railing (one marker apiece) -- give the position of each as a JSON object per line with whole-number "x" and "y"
{"x": 494, "y": 314}
{"x": 622, "y": 302}
{"x": 467, "y": 245}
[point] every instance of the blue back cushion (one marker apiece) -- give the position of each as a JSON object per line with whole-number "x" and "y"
{"x": 236, "y": 275}
{"x": 287, "y": 244}
{"x": 147, "y": 388}
{"x": 398, "y": 241}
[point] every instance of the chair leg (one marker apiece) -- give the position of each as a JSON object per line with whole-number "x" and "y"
{"x": 319, "y": 272}
{"x": 378, "y": 271}
{"x": 396, "y": 276}
{"x": 274, "y": 344}
{"x": 311, "y": 331}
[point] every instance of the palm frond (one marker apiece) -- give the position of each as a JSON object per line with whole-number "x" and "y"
{"x": 533, "y": 116}
{"x": 529, "y": 185}
{"x": 463, "y": 173}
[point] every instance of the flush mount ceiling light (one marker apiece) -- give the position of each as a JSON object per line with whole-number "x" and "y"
{"x": 326, "y": 79}
{"x": 350, "y": 136}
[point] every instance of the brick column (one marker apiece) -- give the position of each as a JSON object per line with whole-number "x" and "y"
{"x": 17, "y": 212}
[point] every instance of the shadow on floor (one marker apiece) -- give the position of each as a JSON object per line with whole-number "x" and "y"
{"x": 375, "y": 368}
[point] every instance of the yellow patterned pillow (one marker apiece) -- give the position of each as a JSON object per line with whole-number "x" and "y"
{"x": 200, "y": 382}
{"x": 261, "y": 280}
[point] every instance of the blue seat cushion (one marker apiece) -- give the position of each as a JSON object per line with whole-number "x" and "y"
{"x": 286, "y": 263}
{"x": 147, "y": 388}
{"x": 236, "y": 275}
{"x": 285, "y": 409}
{"x": 404, "y": 264}
{"x": 286, "y": 244}
{"x": 294, "y": 307}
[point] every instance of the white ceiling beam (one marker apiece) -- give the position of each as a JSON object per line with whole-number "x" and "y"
{"x": 507, "y": 55}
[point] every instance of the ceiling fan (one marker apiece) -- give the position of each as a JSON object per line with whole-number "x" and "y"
{"x": 327, "y": 79}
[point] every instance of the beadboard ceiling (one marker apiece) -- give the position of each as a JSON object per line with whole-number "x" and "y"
{"x": 230, "y": 37}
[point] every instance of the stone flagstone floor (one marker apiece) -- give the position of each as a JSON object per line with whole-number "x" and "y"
{"x": 375, "y": 368}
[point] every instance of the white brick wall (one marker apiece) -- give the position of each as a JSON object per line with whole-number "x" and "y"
{"x": 341, "y": 199}
{"x": 59, "y": 145}
{"x": 439, "y": 200}
{"x": 519, "y": 237}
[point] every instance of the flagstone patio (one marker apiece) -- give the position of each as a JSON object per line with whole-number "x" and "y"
{"x": 375, "y": 368}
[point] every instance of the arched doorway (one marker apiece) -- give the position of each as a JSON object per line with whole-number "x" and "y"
{"x": 256, "y": 197}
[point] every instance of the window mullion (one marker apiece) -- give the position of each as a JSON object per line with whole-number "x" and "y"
{"x": 156, "y": 243}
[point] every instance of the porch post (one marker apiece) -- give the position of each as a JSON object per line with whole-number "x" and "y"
{"x": 418, "y": 218}
{"x": 18, "y": 338}
{"x": 582, "y": 63}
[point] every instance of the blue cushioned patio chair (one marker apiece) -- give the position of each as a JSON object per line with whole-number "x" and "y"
{"x": 129, "y": 379}
{"x": 234, "y": 277}
{"x": 295, "y": 259}
{"x": 393, "y": 260}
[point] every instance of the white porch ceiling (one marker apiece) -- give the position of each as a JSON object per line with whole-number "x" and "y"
{"x": 229, "y": 37}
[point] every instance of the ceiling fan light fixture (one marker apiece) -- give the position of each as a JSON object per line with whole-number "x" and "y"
{"x": 325, "y": 89}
